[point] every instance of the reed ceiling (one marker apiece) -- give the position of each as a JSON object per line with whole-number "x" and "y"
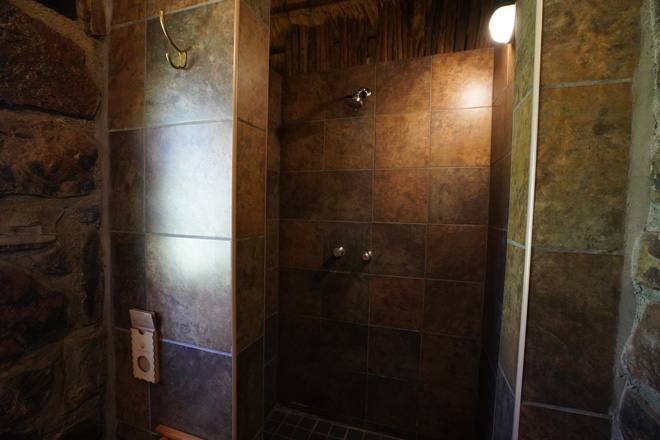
{"x": 317, "y": 35}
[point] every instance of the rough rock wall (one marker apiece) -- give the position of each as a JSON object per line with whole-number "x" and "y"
{"x": 638, "y": 408}
{"x": 52, "y": 345}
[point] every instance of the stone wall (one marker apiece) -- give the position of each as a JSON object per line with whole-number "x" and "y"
{"x": 638, "y": 409}
{"x": 52, "y": 345}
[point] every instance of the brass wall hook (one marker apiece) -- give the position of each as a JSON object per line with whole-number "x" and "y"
{"x": 183, "y": 55}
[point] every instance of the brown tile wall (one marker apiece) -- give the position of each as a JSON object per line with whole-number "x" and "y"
{"x": 498, "y": 217}
{"x": 171, "y": 159}
{"x": 579, "y": 212}
{"x": 393, "y": 344}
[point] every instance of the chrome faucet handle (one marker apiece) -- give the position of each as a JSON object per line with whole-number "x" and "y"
{"x": 367, "y": 256}
{"x": 339, "y": 252}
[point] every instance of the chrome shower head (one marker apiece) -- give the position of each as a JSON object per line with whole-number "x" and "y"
{"x": 354, "y": 101}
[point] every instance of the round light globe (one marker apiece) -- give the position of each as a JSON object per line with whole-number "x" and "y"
{"x": 501, "y": 23}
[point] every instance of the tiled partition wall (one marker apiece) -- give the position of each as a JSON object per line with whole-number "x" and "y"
{"x": 272, "y": 238}
{"x": 393, "y": 344}
{"x": 172, "y": 141}
{"x": 500, "y": 175}
{"x": 250, "y": 205}
{"x": 583, "y": 143}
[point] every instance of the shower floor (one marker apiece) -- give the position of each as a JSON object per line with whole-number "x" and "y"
{"x": 284, "y": 424}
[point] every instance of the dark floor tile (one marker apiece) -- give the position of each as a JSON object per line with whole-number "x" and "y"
{"x": 399, "y": 249}
{"x": 338, "y": 431}
{"x": 317, "y": 436}
{"x": 194, "y": 392}
{"x": 277, "y": 414}
{"x": 292, "y": 419}
{"x": 394, "y": 353}
{"x": 322, "y": 427}
{"x": 286, "y": 430}
{"x": 189, "y": 288}
{"x": 307, "y": 423}
{"x": 354, "y": 434}
{"x": 301, "y": 434}
{"x": 271, "y": 425}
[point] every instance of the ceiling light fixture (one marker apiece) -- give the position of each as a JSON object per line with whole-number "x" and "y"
{"x": 503, "y": 20}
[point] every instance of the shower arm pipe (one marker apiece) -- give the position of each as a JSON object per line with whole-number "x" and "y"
{"x": 536, "y": 91}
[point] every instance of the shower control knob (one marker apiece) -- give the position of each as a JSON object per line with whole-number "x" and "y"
{"x": 339, "y": 251}
{"x": 367, "y": 256}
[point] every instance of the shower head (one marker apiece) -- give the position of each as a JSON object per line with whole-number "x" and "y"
{"x": 354, "y": 101}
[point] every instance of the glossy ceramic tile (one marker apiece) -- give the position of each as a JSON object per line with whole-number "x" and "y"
{"x": 128, "y": 275}
{"x": 204, "y": 89}
{"x": 460, "y": 137}
{"x": 504, "y": 409}
{"x": 189, "y": 288}
{"x": 249, "y": 390}
{"x": 342, "y": 392}
{"x": 183, "y": 401}
{"x": 347, "y": 195}
{"x": 272, "y": 195}
{"x": 300, "y": 291}
{"x": 124, "y": 11}
{"x": 250, "y": 181}
{"x": 503, "y": 68}
{"x": 591, "y": 125}
{"x": 131, "y": 395}
{"x": 188, "y": 179}
{"x": 272, "y": 286}
{"x": 525, "y": 34}
{"x": 346, "y": 297}
{"x": 463, "y": 79}
{"x": 273, "y": 153}
{"x": 252, "y": 88}
{"x": 519, "y": 182}
{"x": 301, "y": 196}
{"x": 298, "y": 382}
{"x": 343, "y": 345}
{"x": 349, "y": 144}
{"x": 508, "y": 356}
{"x": 126, "y": 76}
{"x": 301, "y": 244}
{"x": 303, "y": 98}
{"x": 402, "y": 141}
{"x": 601, "y": 45}
{"x": 502, "y": 124}
{"x": 272, "y": 243}
{"x": 450, "y": 360}
{"x": 446, "y": 412}
{"x": 401, "y": 196}
{"x": 302, "y": 147}
{"x": 403, "y": 86}
{"x": 249, "y": 296}
{"x": 126, "y": 208}
{"x": 274, "y": 96}
{"x": 396, "y": 302}
{"x": 299, "y": 338}
{"x": 458, "y": 196}
{"x": 500, "y": 181}
{"x": 456, "y": 252}
{"x": 355, "y": 238}
{"x": 537, "y": 422}
{"x": 391, "y": 402}
{"x": 270, "y": 340}
{"x": 572, "y": 325}
{"x": 399, "y": 249}
{"x": 394, "y": 353}
{"x": 452, "y": 308}
{"x": 343, "y": 82}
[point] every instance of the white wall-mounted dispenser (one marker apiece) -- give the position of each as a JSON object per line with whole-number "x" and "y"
{"x": 144, "y": 345}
